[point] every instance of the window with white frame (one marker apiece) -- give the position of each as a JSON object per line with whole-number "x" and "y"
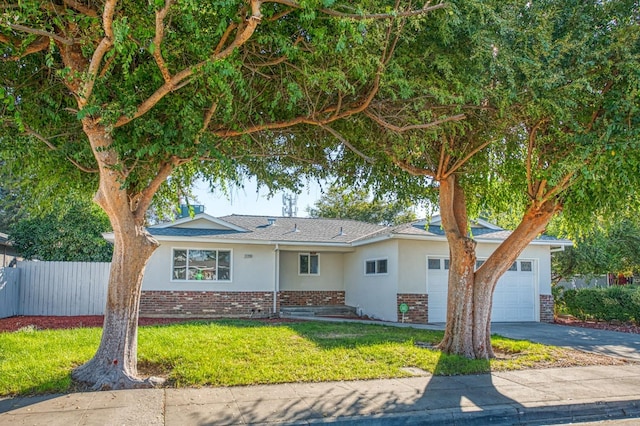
{"x": 201, "y": 265}
{"x": 375, "y": 266}
{"x": 308, "y": 264}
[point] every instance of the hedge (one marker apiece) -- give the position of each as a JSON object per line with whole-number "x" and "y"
{"x": 601, "y": 304}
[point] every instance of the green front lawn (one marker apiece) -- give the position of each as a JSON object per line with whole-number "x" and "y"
{"x": 228, "y": 352}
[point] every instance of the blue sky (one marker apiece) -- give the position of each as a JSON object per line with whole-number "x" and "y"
{"x": 250, "y": 201}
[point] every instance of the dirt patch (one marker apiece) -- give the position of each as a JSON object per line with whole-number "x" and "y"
{"x": 48, "y": 322}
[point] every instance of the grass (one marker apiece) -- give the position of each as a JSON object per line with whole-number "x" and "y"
{"x": 228, "y": 352}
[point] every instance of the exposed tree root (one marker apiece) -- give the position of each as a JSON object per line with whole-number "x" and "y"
{"x": 111, "y": 377}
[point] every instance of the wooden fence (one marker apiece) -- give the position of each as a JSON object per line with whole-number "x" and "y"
{"x": 9, "y": 292}
{"x": 60, "y": 288}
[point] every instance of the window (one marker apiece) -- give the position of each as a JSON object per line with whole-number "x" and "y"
{"x": 479, "y": 263}
{"x": 375, "y": 266}
{"x": 514, "y": 267}
{"x": 309, "y": 264}
{"x": 433, "y": 264}
{"x": 201, "y": 265}
{"x": 525, "y": 266}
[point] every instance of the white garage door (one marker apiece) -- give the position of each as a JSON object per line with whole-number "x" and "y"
{"x": 513, "y": 299}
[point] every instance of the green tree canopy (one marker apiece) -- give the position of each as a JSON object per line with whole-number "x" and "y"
{"x": 139, "y": 99}
{"x": 602, "y": 250}
{"x": 75, "y": 235}
{"x": 538, "y": 112}
{"x": 356, "y": 203}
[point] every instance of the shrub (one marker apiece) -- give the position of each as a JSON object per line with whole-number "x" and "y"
{"x": 601, "y": 304}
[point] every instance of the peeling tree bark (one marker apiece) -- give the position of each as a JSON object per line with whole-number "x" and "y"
{"x": 470, "y": 291}
{"x": 114, "y": 366}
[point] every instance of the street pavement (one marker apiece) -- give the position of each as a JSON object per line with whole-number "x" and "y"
{"x": 525, "y": 397}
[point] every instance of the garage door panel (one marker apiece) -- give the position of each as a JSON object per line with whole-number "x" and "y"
{"x": 513, "y": 299}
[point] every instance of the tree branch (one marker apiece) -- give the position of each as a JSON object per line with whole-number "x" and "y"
{"x": 105, "y": 44}
{"x": 225, "y": 37}
{"x": 180, "y": 77}
{"x": 359, "y": 17}
{"x": 440, "y": 172}
{"x": 157, "y": 40}
{"x": 81, "y": 8}
{"x": 564, "y": 183}
{"x": 35, "y": 31}
{"x": 38, "y": 45}
{"x": 531, "y": 143}
{"x": 402, "y": 129}
{"x": 346, "y": 143}
{"x": 52, "y": 147}
{"x": 139, "y": 204}
{"x": 460, "y": 163}
{"x": 412, "y": 170}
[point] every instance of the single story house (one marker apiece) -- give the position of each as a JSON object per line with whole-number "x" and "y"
{"x": 241, "y": 265}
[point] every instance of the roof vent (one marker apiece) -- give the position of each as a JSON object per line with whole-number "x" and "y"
{"x": 295, "y": 228}
{"x": 342, "y": 232}
{"x": 271, "y": 221}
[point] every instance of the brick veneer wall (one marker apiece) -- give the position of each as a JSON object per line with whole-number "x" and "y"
{"x": 206, "y": 304}
{"x": 311, "y": 298}
{"x": 418, "y": 307}
{"x": 546, "y": 308}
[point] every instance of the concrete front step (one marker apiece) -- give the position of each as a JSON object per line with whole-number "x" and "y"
{"x": 319, "y": 311}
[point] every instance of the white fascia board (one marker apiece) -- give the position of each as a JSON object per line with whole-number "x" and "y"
{"x": 185, "y": 239}
{"x": 443, "y": 238}
{"x": 373, "y": 240}
{"x": 201, "y": 216}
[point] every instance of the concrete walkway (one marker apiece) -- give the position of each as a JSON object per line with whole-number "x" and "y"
{"x": 532, "y": 397}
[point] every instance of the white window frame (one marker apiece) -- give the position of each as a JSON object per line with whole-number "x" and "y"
{"x": 308, "y": 254}
{"x": 376, "y": 260}
{"x": 187, "y": 280}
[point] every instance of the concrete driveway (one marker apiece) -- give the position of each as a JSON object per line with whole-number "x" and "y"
{"x": 611, "y": 343}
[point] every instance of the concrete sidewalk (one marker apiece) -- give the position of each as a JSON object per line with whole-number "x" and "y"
{"x": 532, "y": 397}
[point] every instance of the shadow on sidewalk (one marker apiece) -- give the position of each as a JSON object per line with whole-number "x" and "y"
{"x": 462, "y": 393}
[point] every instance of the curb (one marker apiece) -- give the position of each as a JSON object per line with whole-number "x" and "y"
{"x": 499, "y": 415}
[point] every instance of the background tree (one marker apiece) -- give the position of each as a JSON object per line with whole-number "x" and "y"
{"x": 74, "y": 235}
{"x": 610, "y": 249}
{"x": 342, "y": 202}
{"x": 138, "y": 99}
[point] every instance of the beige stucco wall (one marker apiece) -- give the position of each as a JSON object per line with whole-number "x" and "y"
{"x": 413, "y": 269}
{"x": 375, "y": 295}
{"x": 413, "y": 263}
{"x": 331, "y": 277}
{"x": 252, "y": 269}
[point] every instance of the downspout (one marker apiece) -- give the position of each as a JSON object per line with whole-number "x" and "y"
{"x": 276, "y": 278}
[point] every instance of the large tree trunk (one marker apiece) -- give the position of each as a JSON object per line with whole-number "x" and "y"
{"x": 470, "y": 294}
{"x": 114, "y": 366}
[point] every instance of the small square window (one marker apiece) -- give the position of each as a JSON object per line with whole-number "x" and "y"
{"x": 446, "y": 264}
{"x": 526, "y": 266}
{"x": 434, "y": 264}
{"x": 375, "y": 266}
{"x": 370, "y": 267}
{"x": 381, "y": 266}
{"x": 514, "y": 266}
{"x": 479, "y": 263}
{"x": 309, "y": 264}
